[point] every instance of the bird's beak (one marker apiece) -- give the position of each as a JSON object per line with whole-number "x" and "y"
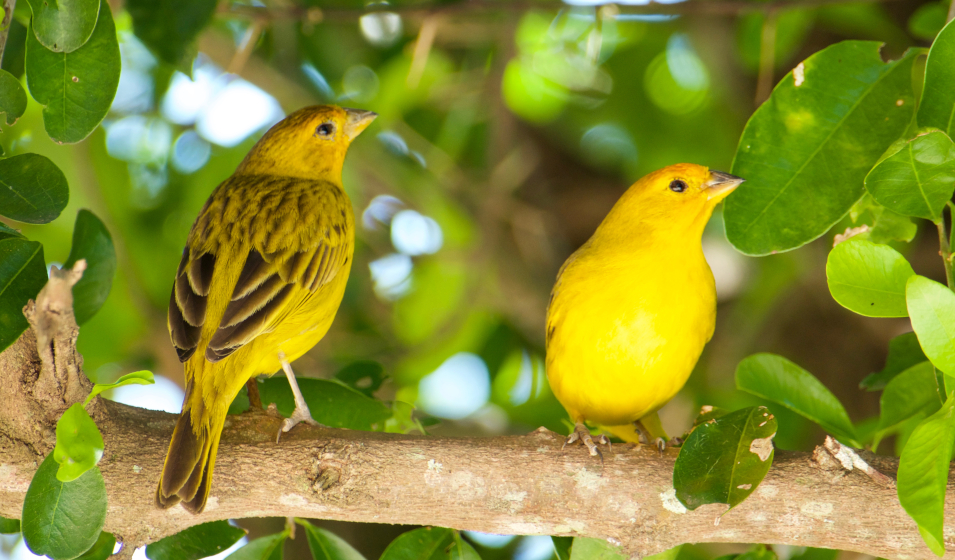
{"x": 358, "y": 120}
{"x": 720, "y": 185}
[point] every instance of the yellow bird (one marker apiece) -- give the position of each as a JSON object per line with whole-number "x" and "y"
{"x": 261, "y": 277}
{"x": 633, "y": 307}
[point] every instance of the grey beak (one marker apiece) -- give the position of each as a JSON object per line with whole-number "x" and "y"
{"x": 721, "y": 184}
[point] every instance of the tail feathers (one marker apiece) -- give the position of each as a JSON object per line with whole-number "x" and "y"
{"x": 187, "y": 472}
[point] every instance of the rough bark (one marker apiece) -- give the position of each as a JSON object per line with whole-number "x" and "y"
{"x": 512, "y": 485}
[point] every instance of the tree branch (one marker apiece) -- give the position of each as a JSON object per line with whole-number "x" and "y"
{"x": 511, "y": 485}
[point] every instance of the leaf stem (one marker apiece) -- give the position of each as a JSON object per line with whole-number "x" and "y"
{"x": 8, "y": 6}
{"x": 945, "y": 251}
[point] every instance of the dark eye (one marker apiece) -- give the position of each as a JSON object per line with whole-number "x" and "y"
{"x": 325, "y": 130}
{"x": 677, "y": 185}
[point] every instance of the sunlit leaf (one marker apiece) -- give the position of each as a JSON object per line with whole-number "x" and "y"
{"x": 101, "y": 549}
{"x": 430, "y": 543}
{"x": 923, "y": 473}
{"x": 79, "y": 444}
{"x": 332, "y": 404}
{"x": 143, "y": 377}
{"x": 910, "y": 392}
{"x": 198, "y": 541}
{"x": 932, "y": 311}
{"x": 168, "y": 27}
{"x": 364, "y": 376}
{"x": 724, "y": 459}
{"x": 868, "y": 278}
{"x": 9, "y": 526}
{"x": 779, "y": 380}
{"x": 91, "y": 241}
{"x": 32, "y": 189}
{"x": 595, "y": 549}
{"x": 938, "y": 94}
{"x": 76, "y": 88}
{"x": 915, "y": 177}
{"x": 262, "y": 548}
{"x": 13, "y": 99}
{"x": 805, "y": 151}
{"x": 22, "y": 276}
{"x": 904, "y": 352}
{"x": 63, "y": 519}
{"x": 64, "y": 25}
{"x": 326, "y": 545}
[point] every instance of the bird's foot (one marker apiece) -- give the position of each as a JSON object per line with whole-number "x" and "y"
{"x": 582, "y": 434}
{"x": 298, "y": 415}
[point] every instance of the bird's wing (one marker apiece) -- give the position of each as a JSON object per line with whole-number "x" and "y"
{"x": 301, "y": 237}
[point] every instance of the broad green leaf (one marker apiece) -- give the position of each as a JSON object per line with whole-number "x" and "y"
{"x": 75, "y": 88}
{"x": 868, "y": 278}
{"x": 364, "y": 376}
{"x": 910, "y": 392}
{"x": 904, "y": 352}
{"x": 779, "y": 380}
{"x": 937, "y": 107}
{"x": 326, "y": 545}
{"x": 758, "y": 552}
{"x": 724, "y": 459}
{"x": 595, "y": 549}
{"x": 923, "y": 473}
{"x": 928, "y": 20}
{"x": 63, "y": 519}
{"x": 198, "y": 541}
{"x": 22, "y": 276}
{"x": 816, "y": 554}
{"x": 13, "y": 99}
{"x": 101, "y": 549}
{"x": 430, "y": 543}
{"x": 9, "y": 526}
{"x": 562, "y": 547}
{"x": 168, "y": 27}
{"x": 805, "y": 152}
{"x": 143, "y": 377}
{"x": 708, "y": 413}
{"x": 79, "y": 445}
{"x": 262, "y": 548}
{"x": 932, "y": 311}
{"x": 7, "y": 231}
{"x": 32, "y": 189}
{"x": 331, "y": 403}
{"x": 91, "y": 241}
{"x": 889, "y": 226}
{"x": 915, "y": 177}
{"x": 64, "y": 25}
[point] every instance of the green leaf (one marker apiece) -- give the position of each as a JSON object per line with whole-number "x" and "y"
{"x": 595, "y": 549}
{"x": 198, "y": 541}
{"x": 13, "y": 99}
{"x": 63, "y": 519}
{"x": 262, "y": 548}
{"x": 805, "y": 152}
{"x": 79, "y": 445}
{"x": 101, "y": 549}
{"x": 168, "y": 27}
{"x": 779, "y": 380}
{"x": 326, "y": 545}
{"x": 364, "y": 376}
{"x": 932, "y": 311}
{"x": 910, "y": 392}
{"x": 928, "y": 20}
{"x": 758, "y": 552}
{"x": 32, "y": 189}
{"x": 938, "y": 94}
{"x": 562, "y": 547}
{"x": 143, "y": 377}
{"x": 7, "y": 232}
{"x": 332, "y": 404}
{"x": 915, "y": 177}
{"x": 91, "y": 241}
{"x": 22, "y": 276}
{"x": 725, "y": 458}
{"x": 923, "y": 473}
{"x": 868, "y": 278}
{"x": 904, "y": 352}
{"x": 889, "y": 226}
{"x": 9, "y": 526}
{"x": 429, "y": 543}
{"x": 75, "y": 88}
{"x": 64, "y": 25}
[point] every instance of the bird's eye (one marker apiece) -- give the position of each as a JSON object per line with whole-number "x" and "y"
{"x": 325, "y": 130}
{"x": 677, "y": 185}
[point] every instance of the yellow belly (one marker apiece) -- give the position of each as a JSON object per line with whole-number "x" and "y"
{"x": 624, "y": 340}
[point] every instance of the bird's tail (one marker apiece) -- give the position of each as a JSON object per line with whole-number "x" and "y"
{"x": 187, "y": 472}
{"x": 629, "y": 433}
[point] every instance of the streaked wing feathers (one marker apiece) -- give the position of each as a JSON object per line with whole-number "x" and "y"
{"x": 187, "y": 306}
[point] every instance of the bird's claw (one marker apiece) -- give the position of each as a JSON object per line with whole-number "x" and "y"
{"x": 298, "y": 415}
{"x": 582, "y": 434}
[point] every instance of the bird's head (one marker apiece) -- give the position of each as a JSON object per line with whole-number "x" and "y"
{"x": 677, "y": 198}
{"x": 310, "y": 142}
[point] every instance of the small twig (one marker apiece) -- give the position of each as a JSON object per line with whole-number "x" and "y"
{"x": 8, "y": 6}
{"x": 850, "y": 460}
{"x": 767, "y": 57}
{"x": 246, "y": 46}
{"x": 422, "y": 49}
{"x": 945, "y": 251}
